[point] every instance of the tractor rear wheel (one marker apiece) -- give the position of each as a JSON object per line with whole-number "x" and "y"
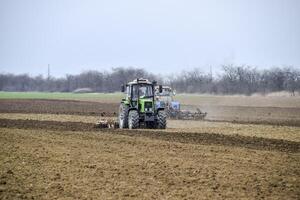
{"x": 133, "y": 119}
{"x": 123, "y": 116}
{"x": 161, "y": 119}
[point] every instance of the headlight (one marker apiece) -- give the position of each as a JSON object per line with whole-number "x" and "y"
{"x": 148, "y": 109}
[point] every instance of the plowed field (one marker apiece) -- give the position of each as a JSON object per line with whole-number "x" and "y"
{"x": 239, "y": 114}
{"x": 52, "y": 150}
{"x": 58, "y": 107}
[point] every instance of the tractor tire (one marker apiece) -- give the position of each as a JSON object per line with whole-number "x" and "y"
{"x": 123, "y": 116}
{"x": 133, "y": 119}
{"x": 161, "y": 119}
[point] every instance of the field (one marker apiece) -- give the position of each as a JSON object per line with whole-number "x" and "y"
{"x": 248, "y": 148}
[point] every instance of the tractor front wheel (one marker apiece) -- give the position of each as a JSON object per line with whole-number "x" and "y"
{"x": 161, "y": 119}
{"x": 133, "y": 119}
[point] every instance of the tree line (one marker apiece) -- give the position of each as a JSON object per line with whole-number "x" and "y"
{"x": 238, "y": 80}
{"x": 231, "y": 80}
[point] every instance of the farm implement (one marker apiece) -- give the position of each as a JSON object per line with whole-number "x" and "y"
{"x": 165, "y": 98}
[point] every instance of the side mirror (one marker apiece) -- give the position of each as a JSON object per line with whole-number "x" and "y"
{"x": 160, "y": 89}
{"x": 122, "y": 88}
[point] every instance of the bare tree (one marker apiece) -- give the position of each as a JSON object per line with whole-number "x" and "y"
{"x": 232, "y": 80}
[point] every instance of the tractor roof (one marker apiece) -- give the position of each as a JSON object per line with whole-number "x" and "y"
{"x": 139, "y": 81}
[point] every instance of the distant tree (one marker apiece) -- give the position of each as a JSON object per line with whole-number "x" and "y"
{"x": 232, "y": 80}
{"x": 291, "y": 80}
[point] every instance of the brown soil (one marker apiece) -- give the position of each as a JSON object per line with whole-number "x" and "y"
{"x": 238, "y": 114}
{"x": 51, "y": 159}
{"x": 46, "y": 164}
{"x": 184, "y": 126}
{"x": 183, "y": 137}
{"x": 58, "y": 107}
{"x": 289, "y": 116}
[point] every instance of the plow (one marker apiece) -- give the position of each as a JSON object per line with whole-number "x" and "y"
{"x": 186, "y": 114}
{"x": 107, "y": 123}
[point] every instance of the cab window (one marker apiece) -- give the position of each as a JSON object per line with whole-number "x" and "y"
{"x": 144, "y": 90}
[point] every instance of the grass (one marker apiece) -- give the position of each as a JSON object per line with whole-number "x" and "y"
{"x": 184, "y": 99}
{"x": 62, "y": 95}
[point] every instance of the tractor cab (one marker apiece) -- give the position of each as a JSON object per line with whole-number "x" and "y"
{"x": 141, "y": 91}
{"x": 138, "y": 108}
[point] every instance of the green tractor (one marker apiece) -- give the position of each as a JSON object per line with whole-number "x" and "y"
{"x": 139, "y": 108}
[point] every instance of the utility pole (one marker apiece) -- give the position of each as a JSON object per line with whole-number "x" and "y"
{"x": 48, "y": 76}
{"x": 211, "y": 76}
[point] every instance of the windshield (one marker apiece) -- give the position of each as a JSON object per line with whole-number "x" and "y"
{"x": 144, "y": 90}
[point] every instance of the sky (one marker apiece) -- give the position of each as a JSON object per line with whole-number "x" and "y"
{"x": 161, "y": 36}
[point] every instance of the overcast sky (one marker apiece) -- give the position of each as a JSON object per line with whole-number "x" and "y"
{"x": 158, "y": 35}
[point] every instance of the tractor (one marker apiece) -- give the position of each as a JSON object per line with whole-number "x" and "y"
{"x": 165, "y": 96}
{"x": 139, "y": 107}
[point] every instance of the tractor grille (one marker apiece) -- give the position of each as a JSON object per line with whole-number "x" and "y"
{"x": 148, "y": 104}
